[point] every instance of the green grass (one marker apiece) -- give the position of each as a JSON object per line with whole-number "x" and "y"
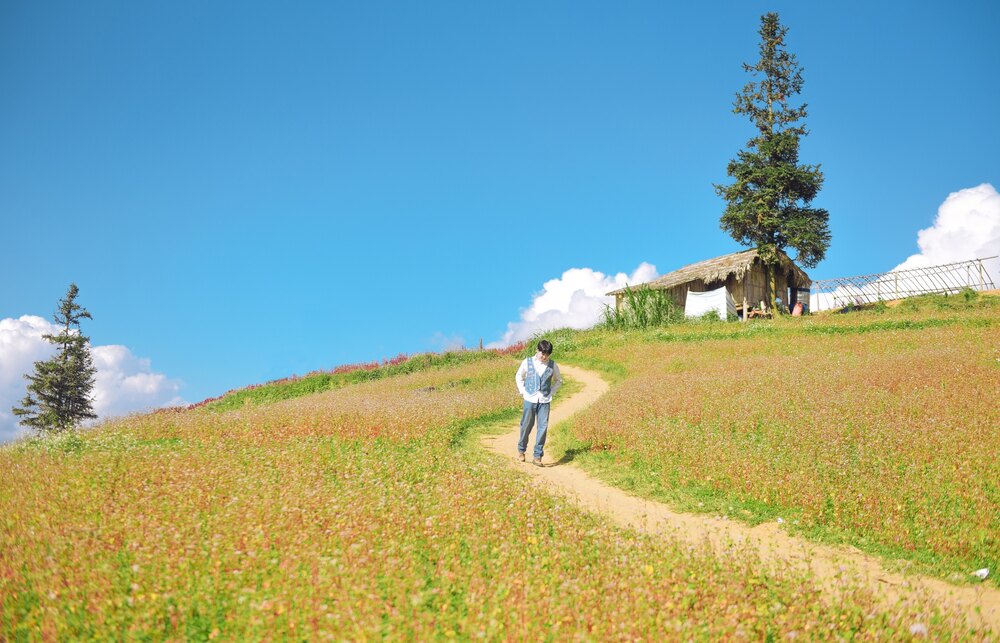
{"x": 651, "y": 481}
{"x": 319, "y": 382}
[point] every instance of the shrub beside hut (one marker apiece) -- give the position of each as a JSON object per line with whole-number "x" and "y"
{"x": 741, "y": 273}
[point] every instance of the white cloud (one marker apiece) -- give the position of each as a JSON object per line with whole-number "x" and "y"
{"x": 124, "y": 383}
{"x": 21, "y": 345}
{"x": 967, "y": 227}
{"x": 574, "y": 300}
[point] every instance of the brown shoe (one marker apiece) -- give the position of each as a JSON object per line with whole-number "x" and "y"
{"x": 520, "y": 457}
{"x": 537, "y": 462}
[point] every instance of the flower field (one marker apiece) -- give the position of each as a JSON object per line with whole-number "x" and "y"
{"x": 364, "y": 512}
{"x": 877, "y": 429}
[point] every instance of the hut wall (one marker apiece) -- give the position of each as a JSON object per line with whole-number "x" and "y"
{"x": 781, "y": 286}
{"x": 692, "y": 286}
{"x": 756, "y": 285}
{"x": 735, "y": 288}
{"x": 757, "y": 288}
{"x": 678, "y": 294}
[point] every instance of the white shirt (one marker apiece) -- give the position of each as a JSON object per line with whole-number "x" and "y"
{"x": 540, "y": 366}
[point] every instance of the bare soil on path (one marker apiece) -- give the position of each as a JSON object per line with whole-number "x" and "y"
{"x": 838, "y": 570}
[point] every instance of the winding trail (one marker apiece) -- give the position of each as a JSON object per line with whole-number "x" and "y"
{"x": 836, "y": 569}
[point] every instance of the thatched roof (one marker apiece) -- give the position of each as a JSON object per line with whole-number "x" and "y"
{"x": 719, "y": 269}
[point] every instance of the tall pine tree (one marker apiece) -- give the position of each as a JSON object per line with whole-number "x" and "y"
{"x": 59, "y": 390}
{"x": 768, "y": 204}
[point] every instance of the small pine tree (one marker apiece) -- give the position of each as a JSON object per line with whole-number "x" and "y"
{"x": 59, "y": 391}
{"x": 768, "y": 204}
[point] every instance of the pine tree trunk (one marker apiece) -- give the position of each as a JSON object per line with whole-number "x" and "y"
{"x": 772, "y": 286}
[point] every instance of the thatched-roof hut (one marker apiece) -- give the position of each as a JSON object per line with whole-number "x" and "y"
{"x": 743, "y": 275}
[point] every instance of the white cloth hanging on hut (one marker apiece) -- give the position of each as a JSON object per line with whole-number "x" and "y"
{"x": 719, "y": 300}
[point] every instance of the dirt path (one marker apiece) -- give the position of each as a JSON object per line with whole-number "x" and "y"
{"x": 836, "y": 569}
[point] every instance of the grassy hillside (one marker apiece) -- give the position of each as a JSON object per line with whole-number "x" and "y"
{"x": 370, "y": 510}
{"x": 879, "y": 428}
{"x": 292, "y": 387}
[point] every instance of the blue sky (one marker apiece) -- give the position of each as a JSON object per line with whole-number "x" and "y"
{"x": 244, "y": 191}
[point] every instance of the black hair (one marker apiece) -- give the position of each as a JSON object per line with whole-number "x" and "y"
{"x": 545, "y": 347}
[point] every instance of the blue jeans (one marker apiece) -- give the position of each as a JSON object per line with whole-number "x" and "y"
{"x": 533, "y": 410}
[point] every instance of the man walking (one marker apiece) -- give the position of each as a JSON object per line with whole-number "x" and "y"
{"x": 537, "y": 379}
